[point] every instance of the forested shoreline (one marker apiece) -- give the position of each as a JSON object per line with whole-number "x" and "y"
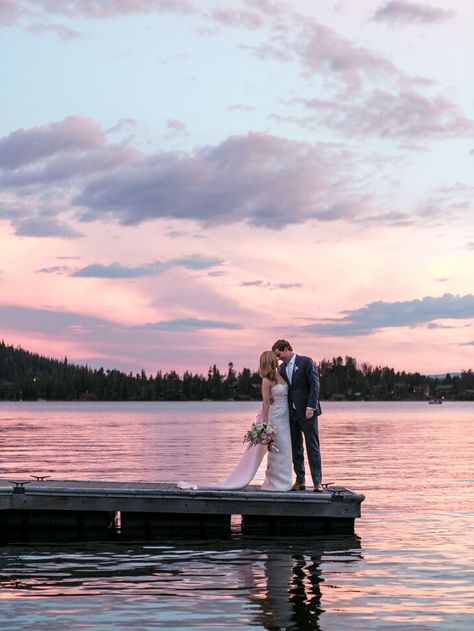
{"x": 30, "y": 377}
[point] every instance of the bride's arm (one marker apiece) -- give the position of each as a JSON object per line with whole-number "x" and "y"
{"x": 266, "y": 398}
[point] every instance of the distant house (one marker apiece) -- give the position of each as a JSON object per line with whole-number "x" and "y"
{"x": 444, "y": 389}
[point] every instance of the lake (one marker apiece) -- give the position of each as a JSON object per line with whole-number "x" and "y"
{"x": 410, "y": 564}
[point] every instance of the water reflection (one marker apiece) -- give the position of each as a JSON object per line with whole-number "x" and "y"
{"x": 289, "y": 597}
{"x": 275, "y": 584}
{"x": 417, "y": 521}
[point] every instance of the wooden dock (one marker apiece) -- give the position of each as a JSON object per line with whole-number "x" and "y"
{"x": 39, "y": 510}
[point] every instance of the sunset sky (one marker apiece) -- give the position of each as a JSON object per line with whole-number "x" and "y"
{"x": 185, "y": 181}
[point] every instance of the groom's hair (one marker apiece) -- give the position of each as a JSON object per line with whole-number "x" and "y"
{"x": 280, "y": 345}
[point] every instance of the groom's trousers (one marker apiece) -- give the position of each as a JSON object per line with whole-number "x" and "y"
{"x": 308, "y": 428}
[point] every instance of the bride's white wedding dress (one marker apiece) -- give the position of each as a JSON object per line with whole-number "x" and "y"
{"x": 279, "y": 469}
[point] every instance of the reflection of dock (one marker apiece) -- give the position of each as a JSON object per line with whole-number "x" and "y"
{"x": 45, "y": 509}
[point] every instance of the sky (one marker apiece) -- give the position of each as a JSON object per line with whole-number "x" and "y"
{"x": 182, "y": 182}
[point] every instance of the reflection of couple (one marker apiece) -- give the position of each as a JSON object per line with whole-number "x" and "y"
{"x": 289, "y": 593}
{"x": 290, "y": 396}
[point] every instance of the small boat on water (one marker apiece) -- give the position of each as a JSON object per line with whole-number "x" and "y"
{"x": 435, "y": 401}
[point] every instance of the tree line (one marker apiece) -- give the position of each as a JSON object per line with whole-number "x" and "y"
{"x": 30, "y": 377}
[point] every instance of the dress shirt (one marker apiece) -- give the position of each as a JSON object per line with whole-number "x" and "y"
{"x": 290, "y": 367}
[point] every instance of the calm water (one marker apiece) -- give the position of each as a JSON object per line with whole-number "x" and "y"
{"x": 409, "y": 566}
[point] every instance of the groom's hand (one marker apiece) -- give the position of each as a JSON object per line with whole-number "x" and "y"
{"x": 309, "y": 413}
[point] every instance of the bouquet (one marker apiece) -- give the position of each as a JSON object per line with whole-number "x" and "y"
{"x": 261, "y": 434}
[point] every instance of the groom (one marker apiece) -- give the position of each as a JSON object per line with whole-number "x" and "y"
{"x": 301, "y": 375}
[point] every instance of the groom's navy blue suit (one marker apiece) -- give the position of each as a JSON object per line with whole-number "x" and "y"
{"x": 303, "y": 392}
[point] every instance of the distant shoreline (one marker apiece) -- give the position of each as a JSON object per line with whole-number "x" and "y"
{"x": 30, "y": 377}
{"x": 191, "y": 401}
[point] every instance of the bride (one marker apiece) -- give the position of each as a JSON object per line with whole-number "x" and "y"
{"x": 274, "y": 410}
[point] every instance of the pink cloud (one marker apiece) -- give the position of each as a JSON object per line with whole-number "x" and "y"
{"x": 64, "y": 32}
{"x": 406, "y": 114}
{"x": 111, "y": 8}
{"x": 175, "y": 125}
{"x": 395, "y": 107}
{"x": 9, "y": 12}
{"x": 247, "y": 19}
{"x": 321, "y": 51}
{"x": 175, "y": 128}
{"x": 269, "y": 7}
{"x": 240, "y": 107}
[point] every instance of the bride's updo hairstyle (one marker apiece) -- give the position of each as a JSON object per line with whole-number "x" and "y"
{"x": 268, "y": 366}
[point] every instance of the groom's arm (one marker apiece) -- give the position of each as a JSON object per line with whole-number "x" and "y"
{"x": 313, "y": 380}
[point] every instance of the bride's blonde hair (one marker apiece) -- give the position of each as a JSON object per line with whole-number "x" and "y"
{"x": 269, "y": 366}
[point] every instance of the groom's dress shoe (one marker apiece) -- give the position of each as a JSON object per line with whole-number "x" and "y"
{"x": 318, "y": 488}
{"x": 298, "y": 486}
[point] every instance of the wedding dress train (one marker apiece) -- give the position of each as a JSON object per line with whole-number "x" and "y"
{"x": 278, "y": 473}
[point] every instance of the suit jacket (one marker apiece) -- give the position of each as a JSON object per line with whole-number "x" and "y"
{"x": 303, "y": 392}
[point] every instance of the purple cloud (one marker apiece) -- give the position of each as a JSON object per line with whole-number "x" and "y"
{"x": 287, "y": 285}
{"x": 259, "y": 179}
{"x": 402, "y": 12}
{"x": 183, "y": 324}
{"x": 254, "y": 283}
{"x": 322, "y": 50}
{"x": 71, "y": 165}
{"x": 55, "y": 269}
{"x": 45, "y": 227}
{"x": 23, "y": 147}
{"x": 380, "y": 315}
{"x": 267, "y": 284}
{"x": 117, "y": 270}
